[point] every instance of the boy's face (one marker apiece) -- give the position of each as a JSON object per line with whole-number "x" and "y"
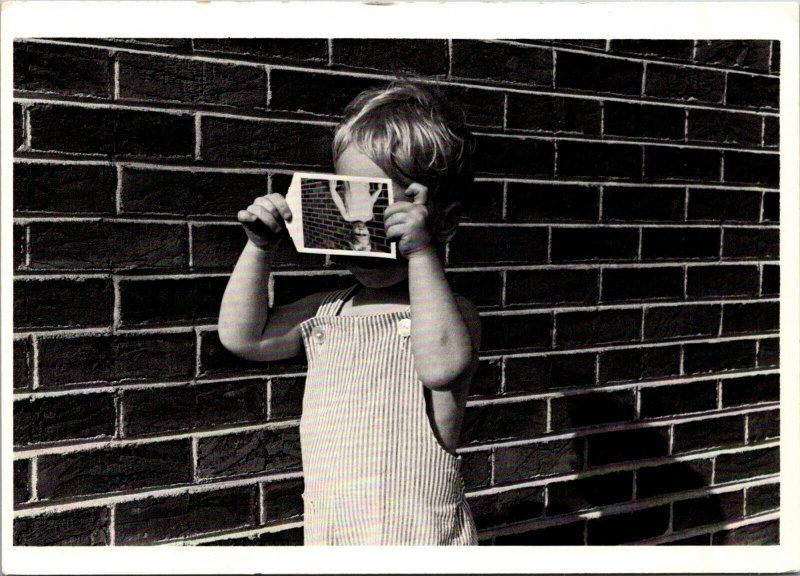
{"x": 371, "y": 272}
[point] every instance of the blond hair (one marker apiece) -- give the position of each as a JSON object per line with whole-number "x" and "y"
{"x": 414, "y": 135}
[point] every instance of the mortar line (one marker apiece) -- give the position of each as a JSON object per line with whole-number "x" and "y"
{"x": 763, "y": 130}
{"x": 34, "y": 363}
{"x": 642, "y": 90}
{"x": 262, "y": 512}
{"x": 449, "y": 58}
{"x": 116, "y": 94}
{"x": 330, "y": 51}
{"x": 116, "y": 314}
{"x": 247, "y": 533}
{"x": 771, "y": 51}
{"x": 34, "y": 476}
{"x": 694, "y": 50}
{"x": 27, "y": 254}
{"x": 112, "y": 525}
{"x": 268, "y": 95}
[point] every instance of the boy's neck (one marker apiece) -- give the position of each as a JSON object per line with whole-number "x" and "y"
{"x": 395, "y": 294}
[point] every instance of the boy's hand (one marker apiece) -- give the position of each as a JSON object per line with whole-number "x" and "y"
{"x": 263, "y": 220}
{"x": 408, "y": 222}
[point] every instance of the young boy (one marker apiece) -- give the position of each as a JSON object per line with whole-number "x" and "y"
{"x": 389, "y": 359}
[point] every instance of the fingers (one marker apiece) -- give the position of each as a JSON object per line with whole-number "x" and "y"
{"x": 280, "y": 203}
{"x": 396, "y": 207}
{"x": 418, "y": 193}
{"x": 265, "y": 215}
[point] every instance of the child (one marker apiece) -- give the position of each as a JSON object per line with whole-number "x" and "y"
{"x": 356, "y": 208}
{"x": 389, "y": 359}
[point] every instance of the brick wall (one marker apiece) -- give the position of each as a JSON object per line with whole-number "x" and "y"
{"x": 622, "y": 245}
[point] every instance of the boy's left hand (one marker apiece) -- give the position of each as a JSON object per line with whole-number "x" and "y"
{"x": 408, "y": 222}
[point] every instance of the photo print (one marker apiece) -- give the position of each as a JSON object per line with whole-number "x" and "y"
{"x": 334, "y": 214}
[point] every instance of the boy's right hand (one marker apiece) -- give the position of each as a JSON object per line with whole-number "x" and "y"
{"x": 263, "y": 220}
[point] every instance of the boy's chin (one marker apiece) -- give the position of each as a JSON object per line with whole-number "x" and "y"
{"x": 374, "y": 272}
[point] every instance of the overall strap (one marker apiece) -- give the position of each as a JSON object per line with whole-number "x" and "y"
{"x": 333, "y": 302}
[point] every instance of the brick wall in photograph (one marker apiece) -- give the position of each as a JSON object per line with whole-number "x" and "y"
{"x": 621, "y": 244}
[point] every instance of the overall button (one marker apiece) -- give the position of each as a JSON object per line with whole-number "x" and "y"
{"x": 404, "y": 327}
{"x": 318, "y": 334}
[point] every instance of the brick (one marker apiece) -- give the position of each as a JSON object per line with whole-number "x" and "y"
{"x": 592, "y": 328}
{"x": 543, "y": 373}
{"x": 107, "y": 246}
{"x": 643, "y": 121}
{"x": 292, "y": 288}
{"x": 629, "y": 527}
{"x": 537, "y": 202}
{"x": 634, "y": 284}
{"x": 23, "y": 363}
{"x": 486, "y": 381}
{"x": 288, "y": 537}
{"x": 536, "y": 460}
{"x": 771, "y": 210}
{"x": 587, "y": 244}
{"x": 678, "y": 399}
{"x": 81, "y": 527}
{"x": 724, "y": 127}
{"x": 768, "y": 352}
{"x": 755, "y": 91}
{"x": 118, "y": 358}
{"x": 248, "y": 453}
{"x": 721, "y": 281}
{"x": 483, "y": 202}
{"x": 749, "y": 54}
{"x": 549, "y": 287}
{"x": 513, "y": 156}
{"x": 680, "y": 243}
{"x": 19, "y": 126}
{"x": 681, "y": 164}
{"x": 666, "y": 322}
{"x": 627, "y": 445}
{"x": 267, "y": 49}
{"x": 192, "y": 408}
{"x": 19, "y": 245}
{"x": 707, "y": 510}
{"x": 22, "y": 481}
{"x": 751, "y": 243}
{"x": 643, "y": 204}
{"x": 476, "y": 469}
{"x": 700, "y": 540}
{"x": 763, "y": 426}
{"x": 775, "y": 66}
{"x": 504, "y": 421}
{"x": 553, "y": 114}
{"x": 749, "y": 318}
{"x": 186, "y": 193}
{"x": 595, "y": 44}
{"x": 115, "y": 469}
{"x": 704, "y": 434}
{"x": 763, "y": 498}
{"x": 745, "y": 465}
{"x": 507, "y": 507}
{"x": 750, "y": 168}
{"x": 719, "y": 356}
{"x": 215, "y": 360}
{"x": 591, "y": 492}
{"x": 49, "y": 304}
{"x": 560, "y": 535}
{"x": 477, "y": 245}
{"x": 599, "y": 160}
{"x": 185, "y": 515}
{"x": 154, "y": 78}
{"x": 677, "y": 49}
{"x": 59, "y": 418}
{"x": 688, "y": 84}
{"x": 480, "y": 107}
{"x": 591, "y": 409}
{"x": 170, "y": 302}
{"x": 235, "y": 141}
{"x": 638, "y": 364}
{"x": 426, "y": 57}
{"x": 65, "y": 189}
{"x": 516, "y": 332}
{"x": 760, "y": 534}
{"x": 750, "y": 390}
{"x": 598, "y": 74}
{"x": 315, "y": 93}
{"x": 770, "y": 280}
{"x": 217, "y": 247}
{"x": 674, "y": 477}
{"x": 66, "y": 70}
{"x": 286, "y": 397}
{"x": 772, "y": 136}
{"x": 129, "y": 133}
{"x": 502, "y": 62}
{"x": 283, "y": 499}
{"x": 484, "y": 289}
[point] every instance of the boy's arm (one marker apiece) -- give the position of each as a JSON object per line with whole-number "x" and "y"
{"x": 246, "y": 327}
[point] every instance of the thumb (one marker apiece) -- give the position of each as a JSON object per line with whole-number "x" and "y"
{"x": 418, "y": 192}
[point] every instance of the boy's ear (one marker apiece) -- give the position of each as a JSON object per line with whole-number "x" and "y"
{"x": 447, "y": 223}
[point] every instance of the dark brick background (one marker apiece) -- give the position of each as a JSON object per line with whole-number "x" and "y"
{"x": 621, "y": 244}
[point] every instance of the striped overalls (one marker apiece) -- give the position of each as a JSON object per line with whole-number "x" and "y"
{"x": 375, "y": 473}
